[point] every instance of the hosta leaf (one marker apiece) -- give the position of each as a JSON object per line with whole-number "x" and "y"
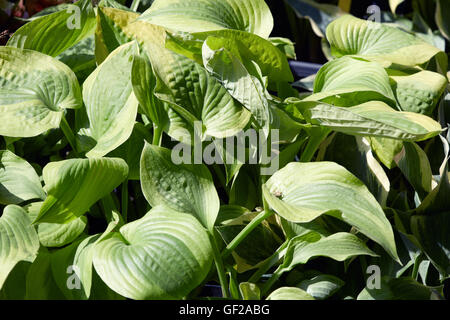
{"x": 18, "y": 240}
{"x": 183, "y": 187}
{"x": 414, "y": 164}
{"x": 18, "y": 180}
{"x": 354, "y": 154}
{"x": 204, "y": 15}
{"x": 386, "y": 149}
{"x": 144, "y": 83}
{"x": 443, "y": 17}
{"x": 34, "y": 91}
{"x": 393, "y": 4}
{"x": 131, "y": 150}
{"x": 240, "y": 82}
{"x": 432, "y": 234}
{"x": 80, "y": 58}
{"x": 64, "y": 272}
{"x": 339, "y": 246}
{"x": 116, "y": 27}
{"x": 74, "y": 185}
{"x": 347, "y": 82}
{"x": 319, "y": 14}
{"x": 257, "y": 246}
{"x": 269, "y": 58}
{"x": 164, "y": 255}
{"x": 83, "y": 260}
{"x": 375, "y": 119}
{"x": 111, "y": 105}
{"x": 379, "y": 42}
{"x": 285, "y": 45}
{"x": 397, "y": 289}
{"x": 249, "y": 291}
{"x": 438, "y": 200}
{"x": 322, "y": 286}
{"x": 308, "y": 190}
{"x": 419, "y": 92}
{"x": 40, "y": 283}
{"x": 55, "y": 234}
{"x": 195, "y": 96}
{"x": 56, "y": 32}
{"x": 289, "y": 293}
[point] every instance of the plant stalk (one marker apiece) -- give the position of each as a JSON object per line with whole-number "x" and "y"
{"x": 246, "y": 231}
{"x": 219, "y": 266}
{"x": 125, "y": 200}
{"x": 64, "y": 125}
{"x": 157, "y": 135}
{"x": 275, "y": 276}
{"x": 269, "y": 263}
{"x": 135, "y": 5}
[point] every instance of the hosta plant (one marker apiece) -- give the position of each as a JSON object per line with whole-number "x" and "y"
{"x": 115, "y": 181}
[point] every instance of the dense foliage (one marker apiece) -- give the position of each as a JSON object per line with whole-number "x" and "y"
{"x": 115, "y": 181}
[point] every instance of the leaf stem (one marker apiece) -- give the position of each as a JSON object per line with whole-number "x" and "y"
{"x": 269, "y": 263}
{"x": 275, "y": 276}
{"x": 157, "y": 135}
{"x": 313, "y": 144}
{"x": 125, "y": 200}
{"x": 219, "y": 266}
{"x": 64, "y": 125}
{"x": 417, "y": 263}
{"x": 135, "y": 5}
{"x": 246, "y": 231}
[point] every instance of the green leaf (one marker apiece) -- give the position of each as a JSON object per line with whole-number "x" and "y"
{"x": 437, "y": 200}
{"x": 241, "y": 83}
{"x": 322, "y": 286}
{"x": 285, "y": 45}
{"x": 380, "y": 42}
{"x": 443, "y": 17}
{"x": 183, "y": 187}
{"x": 144, "y": 83}
{"x": 80, "y": 58}
{"x": 34, "y": 91}
{"x": 164, "y": 255}
{"x": 18, "y": 180}
{"x": 386, "y": 149}
{"x": 18, "y": 240}
{"x": 419, "y": 92}
{"x": 414, "y": 164}
{"x": 40, "y": 283}
{"x": 354, "y": 154}
{"x": 55, "y": 234}
{"x": 249, "y": 291}
{"x": 375, "y": 119}
{"x": 432, "y": 234}
{"x": 74, "y": 185}
{"x": 197, "y": 97}
{"x": 393, "y": 4}
{"x": 64, "y": 272}
{"x": 308, "y": 190}
{"x": 289, "y": 293}
{"x": 204, "y": 15}
{"x": 54, "y": 33}
{"x": 131, "y": 150}
{"x": 269, "y": 58}
{"x": 111, "y": 105}
{"x": 116, "y": 27}
{"x": 319, "y": 14}
{"x": 347, "y": 82}
{"x": 83, "y": 260}
{"x": 339, "y": 246}
{"x": 397, "y": 289}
